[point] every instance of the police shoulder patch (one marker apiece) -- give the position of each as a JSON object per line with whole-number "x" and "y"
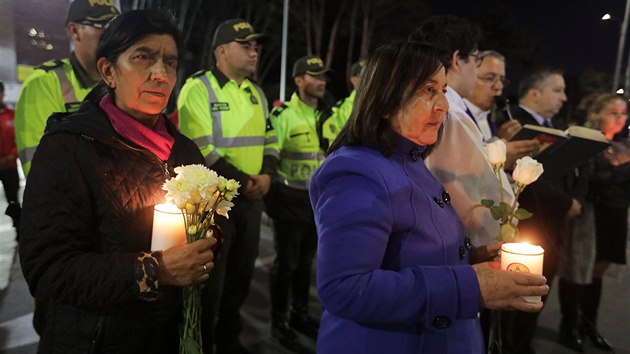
{"x": 199, "y": 73}
{"x": 278, "y": 110}
{"x": 340, "y": 102}
{"x": 50, "y": 65}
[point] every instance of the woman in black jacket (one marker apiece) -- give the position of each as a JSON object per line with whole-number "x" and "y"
{"x": 88, "y": 206}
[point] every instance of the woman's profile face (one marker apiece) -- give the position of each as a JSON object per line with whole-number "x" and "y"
{"x": 421, "y": 118}
{"x": 613, "y": 117}
{"x": 144, "y": 75}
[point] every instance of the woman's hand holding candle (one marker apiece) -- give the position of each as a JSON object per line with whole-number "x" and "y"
{"x": 501, "y": 290}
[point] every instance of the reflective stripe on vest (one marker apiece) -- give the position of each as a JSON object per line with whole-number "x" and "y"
{"x": 26, "y": 154}
{"x": 264, "y": 98}
{"x": 271, "y": 152}
{"x": 217, "y": 126}
{"x": 303, "y": 185}
{"x": 69, "y": 97}
{"x": 293, "y": 155}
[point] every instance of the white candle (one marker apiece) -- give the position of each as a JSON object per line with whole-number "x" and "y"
{"x": 168, "y": 227}
{"x": 522, "y": 257}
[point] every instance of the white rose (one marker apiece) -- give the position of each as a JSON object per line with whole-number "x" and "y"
{"x": 527, "y": 170}
{"x": 496, "y": 152}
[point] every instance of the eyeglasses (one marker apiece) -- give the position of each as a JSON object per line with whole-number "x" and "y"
{"x": 492, "y": 79}
{"x": 477, "y": 57}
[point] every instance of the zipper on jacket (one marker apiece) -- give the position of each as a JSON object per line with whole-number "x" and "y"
{"x": 298, "y": 134}
{"x": 96, "y": 338}
{"x": 87, "y": 137}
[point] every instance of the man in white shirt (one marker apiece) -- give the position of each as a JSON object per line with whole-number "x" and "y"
{"x": 481, "y": 102}
{"x": 489, "y": 84}
{"x": 459, "y": 161}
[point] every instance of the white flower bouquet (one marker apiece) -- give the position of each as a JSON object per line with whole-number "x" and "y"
{"x": 526, "y": 172}
{"x": 200, "y": 194}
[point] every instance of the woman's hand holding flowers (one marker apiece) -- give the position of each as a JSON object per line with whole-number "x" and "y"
{"x": 184, "y": 264}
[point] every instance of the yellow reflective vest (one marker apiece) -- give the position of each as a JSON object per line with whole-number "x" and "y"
{"x": 340, "y": 114}
{"x": 228, "y": 122}
{"x": 52, "y": 87}
{"x": 296, "y": 123}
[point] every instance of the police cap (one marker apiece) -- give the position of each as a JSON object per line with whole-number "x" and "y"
{"x": 309, "y": 65}
{"x": 236, "y": 30}
{"x": 95, "y": 13}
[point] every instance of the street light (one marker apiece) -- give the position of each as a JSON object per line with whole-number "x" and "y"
{"x": 620, "y": 47}
{"x": 283, "y": 58}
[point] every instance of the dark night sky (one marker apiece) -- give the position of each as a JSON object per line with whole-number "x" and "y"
{"x": 571, "y": 32}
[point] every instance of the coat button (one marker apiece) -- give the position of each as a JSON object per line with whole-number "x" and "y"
{"x": 438, "y": 202}
{"x": 462, "y": 252}
{"x": 441, "y": 322}
{"x": 467, "y": 243}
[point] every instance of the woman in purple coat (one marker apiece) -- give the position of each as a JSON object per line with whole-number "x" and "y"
{"x": 394, "y": 273}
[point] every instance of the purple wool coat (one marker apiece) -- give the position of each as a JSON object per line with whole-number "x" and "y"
{"x": 393, "y": 269}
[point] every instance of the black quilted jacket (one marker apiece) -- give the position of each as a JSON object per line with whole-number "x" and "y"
{"x": 87, "y": 217}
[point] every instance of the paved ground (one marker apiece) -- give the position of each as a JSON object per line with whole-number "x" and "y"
{"x": 16, "y": 306}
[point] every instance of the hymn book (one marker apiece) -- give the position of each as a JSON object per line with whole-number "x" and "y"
{"x": 563, "y": 150}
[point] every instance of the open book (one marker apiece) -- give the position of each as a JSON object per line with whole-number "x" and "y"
{"x": 561, "y": 151}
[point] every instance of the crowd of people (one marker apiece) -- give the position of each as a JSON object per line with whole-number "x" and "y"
{"x": 378, "y": 186}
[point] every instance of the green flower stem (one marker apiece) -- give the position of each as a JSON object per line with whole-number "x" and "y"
{"x": 518, "y": 193}
{"x": 190, "y": 327}
{"x": 497, "y": 169}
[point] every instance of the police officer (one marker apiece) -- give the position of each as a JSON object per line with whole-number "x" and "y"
{"x": 342, "y": 109}
{"x": 61, "y": 85}
{"x": 295, "y": 236}
{"x": 225, "y": 113}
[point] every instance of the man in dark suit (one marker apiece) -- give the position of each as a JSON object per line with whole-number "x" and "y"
{"x": 541, "y": 96}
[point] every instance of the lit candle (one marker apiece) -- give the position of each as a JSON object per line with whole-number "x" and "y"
{"x": 168, "y": 227}
{"x": 522, "y": 257}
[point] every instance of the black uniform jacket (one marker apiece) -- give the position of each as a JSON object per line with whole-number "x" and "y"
{"x": 87, "y": 218}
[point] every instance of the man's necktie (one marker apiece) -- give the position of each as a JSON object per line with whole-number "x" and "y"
{"x": 493, "y": 126}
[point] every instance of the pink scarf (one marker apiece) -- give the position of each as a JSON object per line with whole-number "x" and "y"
{"x": 157, "y": 139}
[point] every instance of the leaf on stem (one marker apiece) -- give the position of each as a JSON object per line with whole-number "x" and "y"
{"x": 495, "y": 211}
{"x": 508, "y": 233}
{"x": 487, "y": 202}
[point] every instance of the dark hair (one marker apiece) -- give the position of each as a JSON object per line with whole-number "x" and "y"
{"x": 535, "y": 78}
{"x": 1, "y": 86}
{"x": 602, "y": 100}
{"x": 130, "y": 27}
{"x": 448, "y": 34}
{"x": 389, "y": 80}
